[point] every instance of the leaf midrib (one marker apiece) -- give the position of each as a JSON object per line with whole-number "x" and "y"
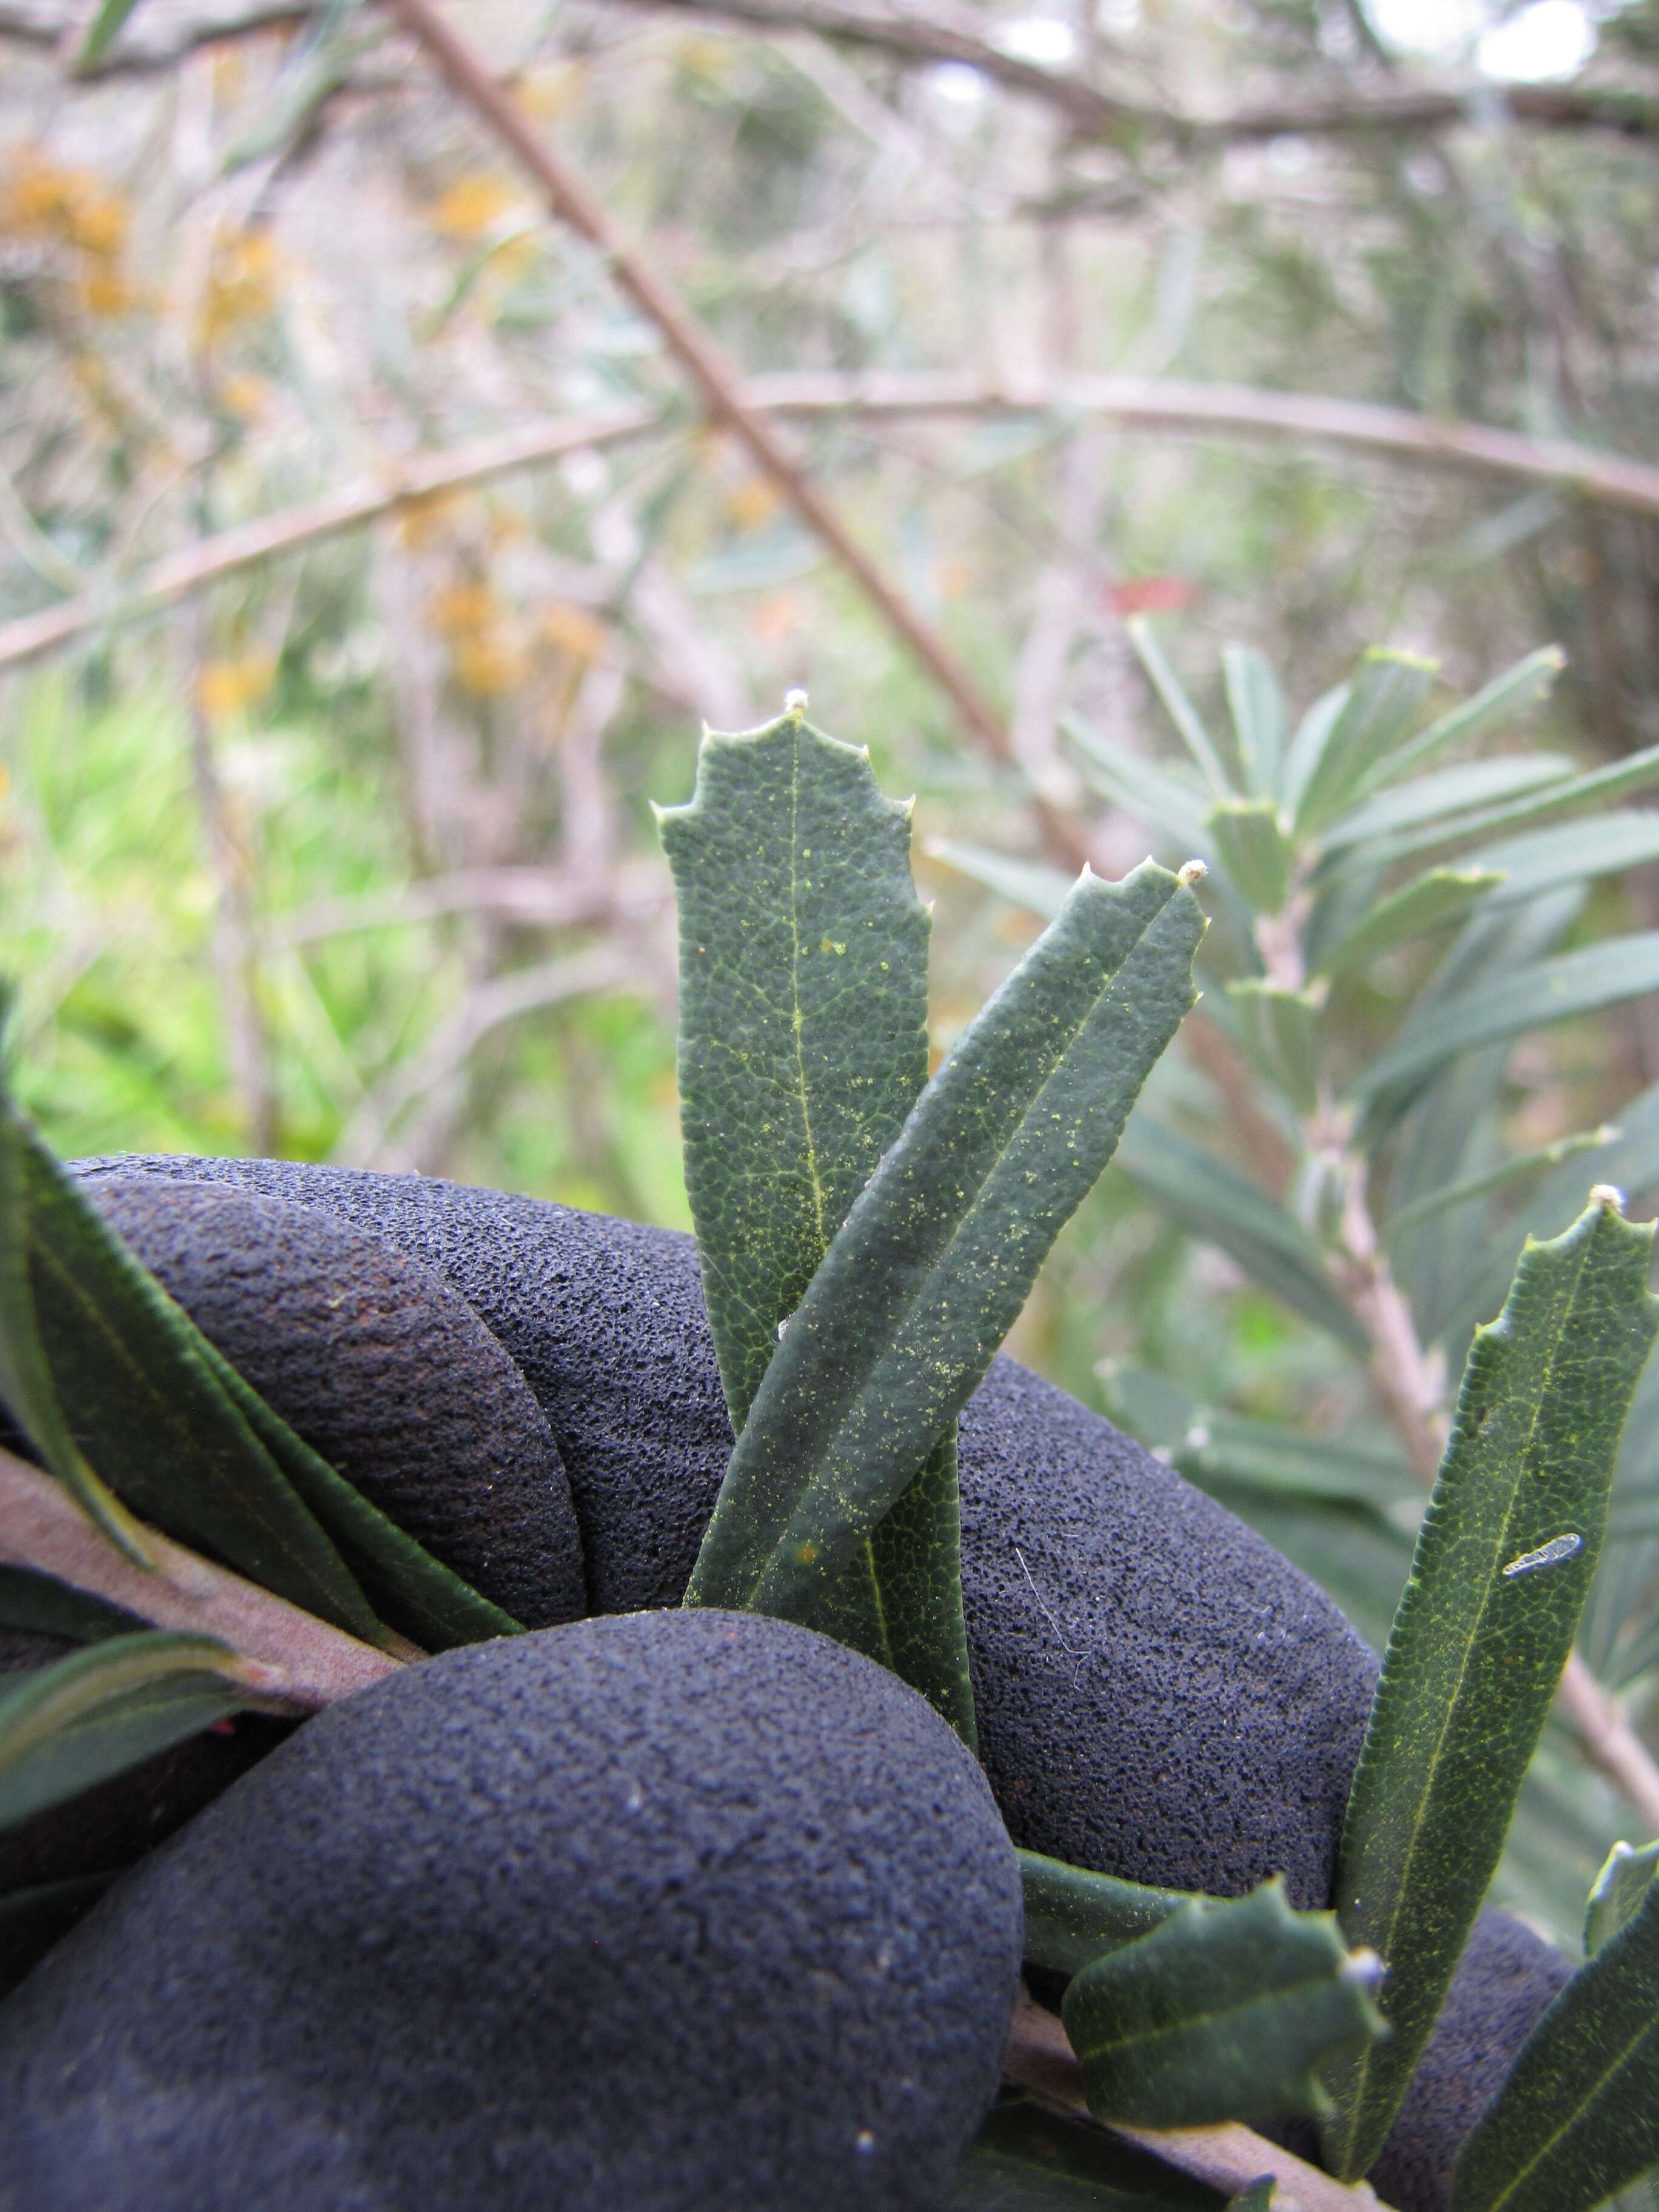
{"x": 1583, "y": 2105}
{"x": 1453, "y": 1703}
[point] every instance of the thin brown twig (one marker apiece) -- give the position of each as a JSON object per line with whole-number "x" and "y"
{"x": 573, "y": 202}
{"x": 1039, "y": 2058}
{"x": 159, "y": 37}
{"x": 1140, "y": 402}
{"x": 311, "y": 1664}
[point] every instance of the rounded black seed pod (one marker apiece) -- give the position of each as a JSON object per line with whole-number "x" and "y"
{"x": 1160, "y": 1695}
{"x": 1504, "y": 1982}
{"x": 383, "y": 1369}
{"x": 696, "y": 1911}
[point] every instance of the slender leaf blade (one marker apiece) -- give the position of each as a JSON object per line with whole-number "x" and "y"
{"x": 1280, "y": 1028}
{"x": 1618, "y": 1893}
{"x": 1225, "y": 2012}
{"x": 106, "y": 26}
{"x": 1027, "y": 2158}
{"x": 1573, "y": 794}
{"x": 940, "y": 1252}
{"x": 1530, "y": 680}
{"x": 26, "y": 1381}
{"x": 1571, "y": 852}
{"x": 50, "y": 1607}
{"x": 1213, "y": 1201}
{"x": 1434, "y": 900}
{"x": 1257, "y": 707}
{"x": 1153, "y": 795}
{"x": 1307, "y": 747}
{"x": 1557, "y": 990}
{"x": 1472, "y": 787}
{"x": 1578, "y": 2116}
{"x": 1505, "y": 1556}
{"x": 1074, "y": 1917}
{"x": 150, "y": 1406}
{"x": 65, "y": 1727}
{"x": 803, "y": 1046}
{"x": 1028, "y": 883}
{"x": 1251, "y": 845}
{"x": 1176, "y": 704}
{"x": 1387, "y": 694}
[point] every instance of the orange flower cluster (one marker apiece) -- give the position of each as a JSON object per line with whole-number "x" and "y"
{"x": 485, "y": 655}
{"x": 73, "y": 212}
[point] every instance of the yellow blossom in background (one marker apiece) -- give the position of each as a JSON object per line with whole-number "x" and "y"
{"x": 547, "y": 93}
{"x": 229, "y": 687}
{"x": 241, "y": 286}
{"x": 73, "y": 211}
{"x": 245, "y": 396}
{"x": 753, "y": 503}
{"x": 421, "y": 519}
{"x": 952, "y": 579}
{"x": 485, "y": 656}
{"x": 574, "y": 631}
{"x": 473, "y": 205}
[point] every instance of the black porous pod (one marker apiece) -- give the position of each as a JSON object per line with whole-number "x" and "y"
{"x": 383, "y": 1369}
{"x": 678, "y": 1911}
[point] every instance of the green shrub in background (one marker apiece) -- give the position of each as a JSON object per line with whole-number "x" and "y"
{"x": 1399, "y": 905}
{"x": 867, "y": 1240}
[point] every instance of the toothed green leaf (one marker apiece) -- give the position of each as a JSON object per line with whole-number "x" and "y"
{"x": 940, "y": 1252}
{"x": 1504, "y": 1558}
{"x": 1618, "y": 1893}
{"x": 803, "y": 1047}
{"x": 1578, "y": 2116}
{"x": 1225, "y": 2012}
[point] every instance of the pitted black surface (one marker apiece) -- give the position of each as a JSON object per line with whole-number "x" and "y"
{"x": 675, "y": 1910}
{"x": 1504, "y": 1982}
{"x": 1160, "y": 1694}
{"x": 377, "y": 1363}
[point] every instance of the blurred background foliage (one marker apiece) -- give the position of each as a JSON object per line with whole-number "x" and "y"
{"x": 347, "y": 854}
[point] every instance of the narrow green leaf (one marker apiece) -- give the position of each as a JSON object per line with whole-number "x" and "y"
{"x": 1554, "y": 990}
{"x": 1530, "y": 680}
{"x": 150, "y": 1407}
{"x": 1468, "y": 1187}
{"x": 1029, "y": 2159}
{"x": 65, "y": 1727}
{"x": 1027, "y": 883}
{"x": 1225, "y": 2012}
{"x": 1279, "y": 1031}
{"x": 105, "y": 28}
{"x": 1215, "y": 1202}
{"x": 1571, "y": 852}
{"x": 1433, "y": 900}
{"x": 26, "y": 1381}
{"x": 1619, "y": 1892}
{"x": 1074, "y": 1917}
{"x": 1577, "y": 793}
{"x": 1578, "y": 2116}
{"x": 1470, "y": 787}
{"x": 50, "y": 1607}
{"x": 33, "y": 1920}
{"x": 937, "y": 1258}
{"x": 1506, "y": 1554}
{"x": 803, "y": 1047}
{"x": 408, "y": 1589}
{"x": 1254, "y": 850}
{"x": 1176, "y": 704}
{"x": 1388, "y": 694}
{"x": 1307, "y": 747}
{"x": 1257, "y": 707}
{"x": 1163, "y": 800}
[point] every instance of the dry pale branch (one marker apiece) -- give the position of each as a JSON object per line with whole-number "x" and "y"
{"x": 529, "y": 897}
{"x": 503, "y": 998}
{"x": 573, "y": 203}
{"x": 1039, "y": 2058}
{"x": 1137, "y": 403}
{"x": 309, "y": 1664}
{"x": 164, "y": 32}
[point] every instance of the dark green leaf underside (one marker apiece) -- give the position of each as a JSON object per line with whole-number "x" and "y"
{"x": 1505, "y": 1556}
{"x": 1225, "y": 2012}
{"x": 803, "y": 1046}
{"x": 936, "y": 1260}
